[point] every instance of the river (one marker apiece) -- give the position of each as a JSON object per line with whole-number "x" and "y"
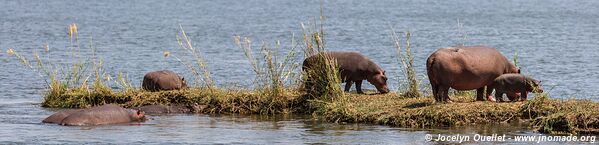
{"x": 555, "y": 41}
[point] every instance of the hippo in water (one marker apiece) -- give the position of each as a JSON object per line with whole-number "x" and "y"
{"x": 355, "y": 67}
{"x": 516, "y": 86}
{"x": 466, "y": 68}
{"x": 163, "y": 80}
{"x": 100, "y": 115}
{"x": 59, "y": 116}
{"x": 173, "y": 108}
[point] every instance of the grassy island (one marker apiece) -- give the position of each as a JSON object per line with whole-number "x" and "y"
{"x": 84, "y": 85}
{"x": 544, "y": 114}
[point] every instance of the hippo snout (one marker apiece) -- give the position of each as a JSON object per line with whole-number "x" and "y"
{"x": 384, "y": 90}
{"x": 538, "y": 90}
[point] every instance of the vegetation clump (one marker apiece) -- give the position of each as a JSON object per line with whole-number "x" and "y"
{"x": 551, "y": 116}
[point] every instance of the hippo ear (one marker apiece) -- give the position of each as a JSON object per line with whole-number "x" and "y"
{"x": 519, "y": 71}
{"x": 138, "y": 112}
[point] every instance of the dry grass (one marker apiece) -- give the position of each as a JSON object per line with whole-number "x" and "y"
{"x": 551, "y": 116}
{"x": 548, "y": 115}
{"x": 562, "y": 116}
{"x": 218, "y": 101}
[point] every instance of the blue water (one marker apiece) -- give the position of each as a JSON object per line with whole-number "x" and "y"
{"x": 554, "y": 39}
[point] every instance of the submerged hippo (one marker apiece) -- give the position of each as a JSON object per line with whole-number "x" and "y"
{"x": 163, "y": 80}
{"x": 466, "y": 68}
{"x": 175, "y": 108}
{"x": 515, "y": 85}
{"x": 59, "y": 116}
{"x": 355, "y": 67}
{"x": 101, "y": 115}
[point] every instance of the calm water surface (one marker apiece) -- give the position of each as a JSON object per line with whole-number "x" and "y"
{"x": 556, "y": 41}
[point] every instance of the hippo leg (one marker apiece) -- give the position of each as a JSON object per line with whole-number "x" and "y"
{"x": 435, "y": 88}
{"x": 359, "y": 87}
{"x": 523, "y": 96}
{"x": 442, "y": 94}
{"x": 348, "y": 85}
{"x": 499, "y": 96}
{"x": 513, "y": 96}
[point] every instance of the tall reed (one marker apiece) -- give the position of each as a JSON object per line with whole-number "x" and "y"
{"x": 271, "y": 72}
{"x": 74, "y": 76}
{"x": 322, "y": 78}
{"x": 199, "y": 68}
{"x": 406, "y": 58}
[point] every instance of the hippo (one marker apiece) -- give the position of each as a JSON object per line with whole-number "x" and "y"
{"x": 57, "y": 117}
{"x": 515, "y": 85}
{"x": 354, "y": 67}
{"x": 163, "y": 80}
{"x": 102, "y": 115}
{"x": 175, "y": 108}
{"x": 466, "y": 68}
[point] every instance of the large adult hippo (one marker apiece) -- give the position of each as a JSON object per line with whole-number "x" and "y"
{"x": 354, "y": 67}
{"x": 101, "y": 115}
{"x": 163, "y": 80}
{"x": 466, "y": 68}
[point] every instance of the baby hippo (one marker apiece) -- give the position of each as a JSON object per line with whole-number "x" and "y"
{"x": 101, "y": 115}
{"x": 516, "y": 86}
{"x": 163, "y": 80}
{"x": 354, "y": 68}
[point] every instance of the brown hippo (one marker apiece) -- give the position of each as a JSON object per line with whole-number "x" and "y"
{"x": 101, "y": 115}
{"x": 466, "y": 68}
{"x": 163, "y": 80}
{"x": 175, "y": 108}
{"x": 515, "y": 85}
{"x": 355, "y": 67}
{"x": 59, "y": 116}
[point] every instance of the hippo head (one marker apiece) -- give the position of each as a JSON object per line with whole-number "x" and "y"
{"x": 137, "y": 115}
{"x": 534, "y": 86}
{"x": 513, "y": 69}
{"x": 379, "y": 80}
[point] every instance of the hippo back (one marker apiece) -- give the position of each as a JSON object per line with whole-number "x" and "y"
{"x": 516, "y": 82}
{"x": 59, "y": 116}
{"x": 105, "y": 114}
{"x": 154, "y": 109}
{"x": 163, "y": 80}
{"x": 351, "y": 64}
{"x": 467, "y": 67}
{"x": 173, "y": 108}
